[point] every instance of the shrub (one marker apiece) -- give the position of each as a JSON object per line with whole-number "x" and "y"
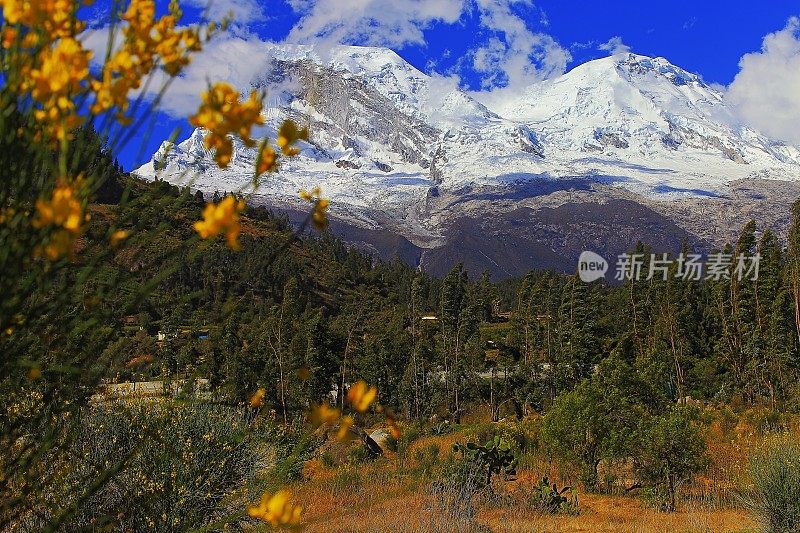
{"x": 358, "y": 454}
{"x": 670, "y": 452}
{"x": 471, "y": 473}
{"x": 327, "y": 460}
{"x": 585, "y": 426}
{"x": 183, "y": 464}
{"x": 455, "y": 491}
{"x": 443, "y": 428}
{"x": 493, "y": 458}
{"x": 547, "y": 498}
{"x": 764, "y": 420}
{"x": 774, "y": 496}
{"x": 426, "y": 458}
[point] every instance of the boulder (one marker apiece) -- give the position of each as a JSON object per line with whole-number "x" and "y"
{"x": 383, "y": 440}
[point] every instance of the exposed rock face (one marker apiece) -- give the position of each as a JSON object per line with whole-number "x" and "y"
{"x": 618, "y": 150}
{"x": 383, "y": 440}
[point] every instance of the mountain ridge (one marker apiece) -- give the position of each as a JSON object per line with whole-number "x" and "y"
{"x": 397, "y": 150}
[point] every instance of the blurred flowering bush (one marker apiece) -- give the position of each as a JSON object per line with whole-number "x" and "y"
{"x": 63, "y": 115}
{"x": 187, "y": 465}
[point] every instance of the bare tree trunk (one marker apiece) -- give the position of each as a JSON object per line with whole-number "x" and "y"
{"x": 346, "y": 353}
{"x": 415, "y": 349}
{"x": 277, "y": 350}
{"x": 677, "y": 359}
{"x": 796, "y": 294}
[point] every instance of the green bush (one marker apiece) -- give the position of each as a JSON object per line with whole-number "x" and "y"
{"x": 327, "y": 460}
{"x": 764, "y": 420}
{"x": 546, "y": 497}
{"x": 358, "y": 454}
{"x": 493, "y": 458}
{"x": 467, "y": 475}
{"x": 180, "y": 465}
{"x": 669, "y": 452}
{"x": 426, "y": 459}
{"x": 774, "y": 496}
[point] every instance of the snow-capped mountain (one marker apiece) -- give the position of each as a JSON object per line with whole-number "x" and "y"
{"x": 518, "y": 180}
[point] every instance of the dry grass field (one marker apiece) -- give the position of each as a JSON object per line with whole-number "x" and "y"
{"x": 393, "y": 494}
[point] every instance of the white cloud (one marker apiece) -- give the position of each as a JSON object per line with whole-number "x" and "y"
{"x": 96, "y": 40}
{"x": 244, "y": 11}
{"x": 521, "y": 56}
{"x": 512, "y": 54}
{"x": 390, "y": 23}
{"x": 615, "y": 46}
{"x": 236, "y": 59}
{"x": 766, "y": 91}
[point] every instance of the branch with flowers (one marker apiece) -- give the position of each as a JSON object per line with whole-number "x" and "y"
{"x": 54, "y": 278}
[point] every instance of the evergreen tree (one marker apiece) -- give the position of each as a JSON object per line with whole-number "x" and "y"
{"x": 793, "y": 264}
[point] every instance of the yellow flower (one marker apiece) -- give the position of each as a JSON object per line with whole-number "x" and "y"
{"x": 222, "y": 114}
{"x": 62, "y": 209}
{"x": 319, "y": 216}
{"x": 276, "y": 509}
{"x": 54, "y": 18}
{"x": 288, "y": 135}
{"x": 394, "y": 429}
{"x": 7, "y": 214}
{"x": 323, "y": 414}
{"x": 361, "y": 396}
{"x": 267, "y": 160}
{"x": 146, "y": 40}
{"x": 118, "y": 236}
{"x": 9, "y": 36}
{"x": 344, "y": 428}
{"x": 220, "y": 217}
{"x": 257, "y": 399}
{"x": 34, "y": 373}
{"x": 59, "y": 245}
{"x": 56, "y": 77}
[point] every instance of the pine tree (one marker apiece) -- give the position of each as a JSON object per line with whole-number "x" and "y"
{"x": 453, "y": 304}
{"x": 416, "y": 308}
{"x": 793, "y": 264}
{"x": 744, "y": 322}
{"x": 772, "y": 307}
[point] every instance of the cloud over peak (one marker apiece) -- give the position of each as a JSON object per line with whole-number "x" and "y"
{"x": 615, "y": 46}
{"x": 766, "y": 91}
{"x": 369, "y": 22}
{"x": 510, "y": 55}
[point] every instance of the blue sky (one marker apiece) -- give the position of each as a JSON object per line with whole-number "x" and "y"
{"x": 486, "y": 45}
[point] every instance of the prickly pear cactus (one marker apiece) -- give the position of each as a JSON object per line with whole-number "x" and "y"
{"x": 492, "y": 458}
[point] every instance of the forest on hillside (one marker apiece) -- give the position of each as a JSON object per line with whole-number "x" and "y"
{"x": 310, "y": 303}
{"x": 175, "y": 362}
{"x": 302, "y": 318}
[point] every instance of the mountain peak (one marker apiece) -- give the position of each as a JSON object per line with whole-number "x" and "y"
{"x": 633, "y": 67}
{"x": 386, "y": 135}
{"x": 637, "y": 64}
{"x": 356, "y": 59}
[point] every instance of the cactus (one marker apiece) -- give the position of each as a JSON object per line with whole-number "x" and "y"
{"x": 548, "y": 498}
{"x": 492, "y": 458}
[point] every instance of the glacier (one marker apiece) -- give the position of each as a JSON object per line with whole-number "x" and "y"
{"x": 396, "y": 149}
